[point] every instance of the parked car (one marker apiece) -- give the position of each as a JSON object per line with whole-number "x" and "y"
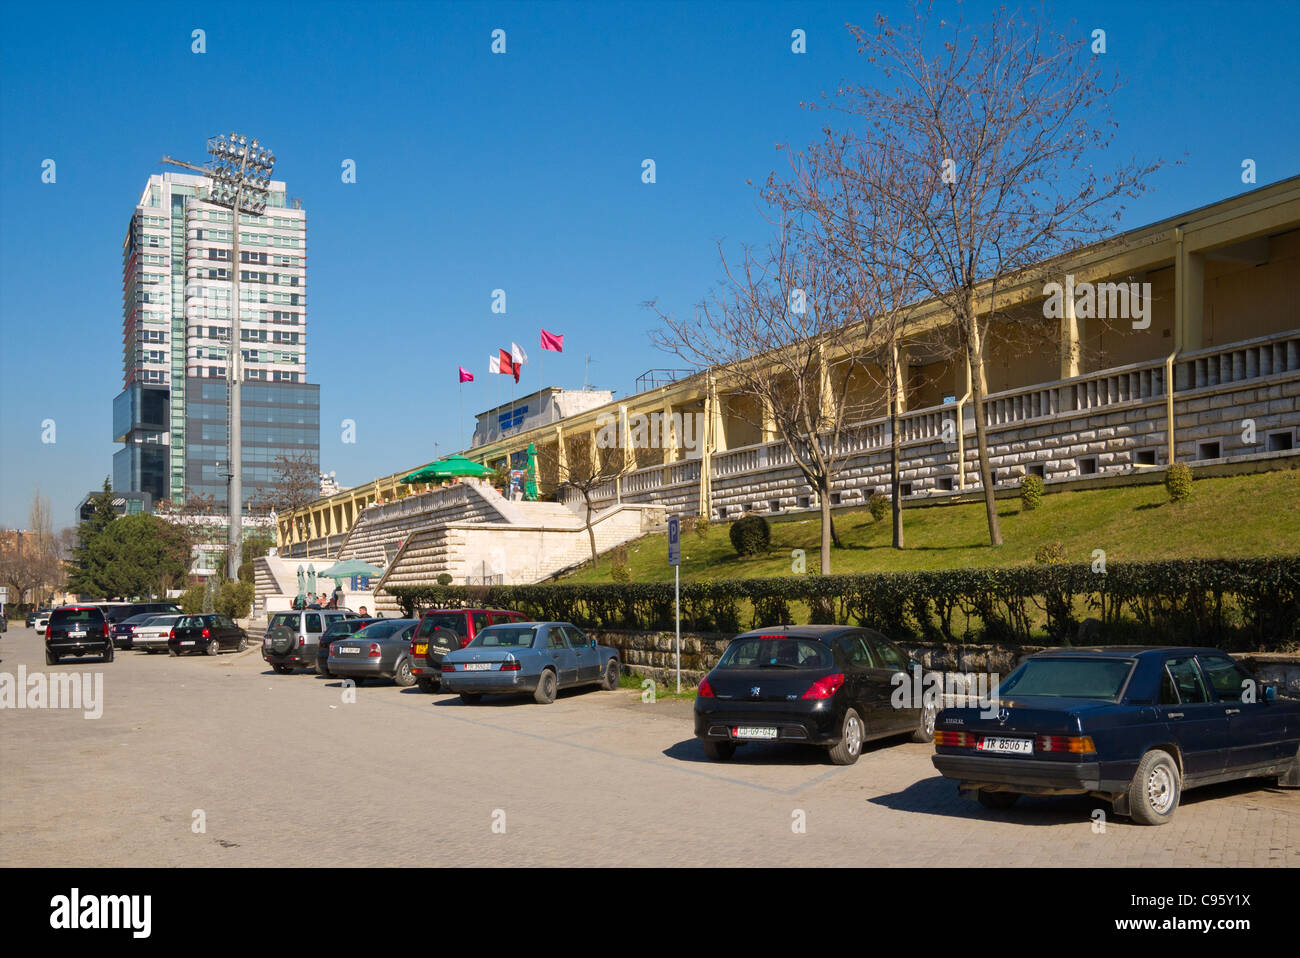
{"x": 380, "y": 650}
{"x": 442, "y": 630}
{"x": 824, "y": 685}
{"x": 208, "y": 633}
{"x": 151, "y": 636}
{"x": 124, "y": 631}
{"x": 42, "y": 621}
{"x": 1134, "y": 725}
{"x": 535, "y": 657}
{"x": 338, "y": 629}
{"x": 77, "y": 630}
{"x": 35, "y": 614}
{"x": 292, "y": 637}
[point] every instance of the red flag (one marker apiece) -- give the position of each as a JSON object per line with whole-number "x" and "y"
{"x": 465, "y": 375}
{"x": 507, "y": 365}
{"x": 552, "y": 342}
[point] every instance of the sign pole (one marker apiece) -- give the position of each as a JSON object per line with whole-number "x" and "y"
{"x": 675, "y": 560}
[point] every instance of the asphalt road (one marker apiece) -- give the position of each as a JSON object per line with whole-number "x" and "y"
{"x": 281, "y": 770}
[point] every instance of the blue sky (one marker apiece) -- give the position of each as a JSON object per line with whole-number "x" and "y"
{"x": 478, "y": 171}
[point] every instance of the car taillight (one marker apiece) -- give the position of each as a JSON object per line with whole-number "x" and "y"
{"x": 705, "y": 691}
{"x": 301, "y": 641}
{"x": 825, "y": 687}
{"x": 105, "y": 630}
{"x": 512, "y": 666}
{"x": 374, "y": 652}
{"x": 47, "y": 630}
{"x": 207, "y": 634}
{"x": 448, "y": 667}
{"x": 171, "y": 634}
{"x": 954, "y": 739}
{"x": 1074, "y": 744}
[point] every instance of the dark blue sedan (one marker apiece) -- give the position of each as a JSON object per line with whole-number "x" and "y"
{"x": 1133, "y": 725}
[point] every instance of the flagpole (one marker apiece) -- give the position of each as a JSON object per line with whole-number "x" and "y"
{"x": 460, "y": 426}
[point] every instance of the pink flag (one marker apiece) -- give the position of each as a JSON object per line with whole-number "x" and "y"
{"x": 465, "y": 375}
{"x": 552, "y": 342}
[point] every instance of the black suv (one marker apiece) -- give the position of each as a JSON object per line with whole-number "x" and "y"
{"x": 77, "y": 630}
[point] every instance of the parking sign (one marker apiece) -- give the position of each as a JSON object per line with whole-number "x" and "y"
{"x": 674, "y": 540}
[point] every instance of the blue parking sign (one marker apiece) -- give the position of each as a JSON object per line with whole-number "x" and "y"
{"x": 674, "y": 540}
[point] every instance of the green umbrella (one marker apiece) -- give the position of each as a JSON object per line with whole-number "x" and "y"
{"x": 311, "y": 579}
{"x": 349, "y": 568}
{"x": 530, "y": 486}
{"x": 446, "y": 469}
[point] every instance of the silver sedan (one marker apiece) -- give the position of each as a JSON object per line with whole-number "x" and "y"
{"x": 380, "y": 650}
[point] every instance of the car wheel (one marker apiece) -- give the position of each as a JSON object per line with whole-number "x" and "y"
{"x": 545, "y": 693}
{"x": 718, "y": 751}
{"x": 212, "y": 648}
{"x": 470, "y": 698}
{"x": 1154, "y": 791}
{"x": 322, "y": 669}
{"x": 611, "y": 676}
{"x": 997, "y": 801}
{"x": 403, "y": 676}
{"x": 429, "y": 685}
{"x": 51, "y": 658}
{"x": 925, "y": 730}
{"x": 852, "y": 734}
{"x": 173, "y": 652}
{"x": 282, "y": 669}
{"x": 243, "y": 644}
{"x": 109, "y": 653}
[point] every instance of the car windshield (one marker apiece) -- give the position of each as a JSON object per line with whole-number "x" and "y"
{"x": 504, "y": 637}
{"x": 158, "y": 621}
{"x": 455, "y": 621}
{"x": 382, "y": 630}
{"x": 62, "y": 617}
{"x": 776, "y": 652}
{"x": 1101, "y": 679}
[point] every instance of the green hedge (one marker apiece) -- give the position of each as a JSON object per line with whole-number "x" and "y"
{"x": 1241, "y": 604}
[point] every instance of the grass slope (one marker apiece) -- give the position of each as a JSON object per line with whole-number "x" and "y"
{"x": 1247, "y": 515}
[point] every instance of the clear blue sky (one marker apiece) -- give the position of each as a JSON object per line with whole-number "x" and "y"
{"x": 477, "y": 172}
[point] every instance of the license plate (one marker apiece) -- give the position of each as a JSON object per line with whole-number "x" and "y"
{"x": 421, "y": 648}
{"x": 477, "y": 666}
{"x": 349, "y": 651}
{"x": 77, "y": 635}
{"x": 1014, "y": 746}
{"x": 747, "y": 732}
{"x": 187, "y": 643}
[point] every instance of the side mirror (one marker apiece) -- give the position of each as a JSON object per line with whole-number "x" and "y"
{"x": 1267, "y": 692}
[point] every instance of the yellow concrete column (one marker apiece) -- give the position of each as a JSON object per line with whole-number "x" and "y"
{"x": 561, "y": 455}
{"x": 1070, "y": 340}
{"x": 769, "y": 423}
{"x": 629, "y": 458}
{"x": 825, "y": 385}
{"x": 1189, "y": 298}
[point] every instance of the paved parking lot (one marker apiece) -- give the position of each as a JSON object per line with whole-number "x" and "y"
{"x": 285, "y": 772}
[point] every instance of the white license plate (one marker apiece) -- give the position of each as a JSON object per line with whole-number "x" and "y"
{"x": 747, "y": 732}
{"x": 188, "y": 643}
{"x": 1014, "y": 746}
{"x": 349, "y": 651}
{"x": 76, "y": 635}
{"x": 477, "y": 666}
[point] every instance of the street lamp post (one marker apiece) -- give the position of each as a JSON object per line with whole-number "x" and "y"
{"x": 240, "y": 172}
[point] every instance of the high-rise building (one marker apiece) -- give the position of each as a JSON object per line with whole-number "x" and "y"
{"x": 176, "y": 285}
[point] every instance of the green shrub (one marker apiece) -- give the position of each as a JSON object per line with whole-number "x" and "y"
{"x": 192, "y": 600}
{"x": 235, "y": 599}
{"x": 878, "y": 504}
{"x": 444, "y": 578}
{"x": 702, "y": 527}
{"x": 1050, "y": 553}
{"x": 1178, "y": 482}
{"x": 750, "y": 535}
{"x": 1031, "y": 493}
{"x": 620, "y": 573}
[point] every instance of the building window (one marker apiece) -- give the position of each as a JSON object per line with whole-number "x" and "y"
{"x": 835, "y": 498}
{"x": 905, "y": 488}
{"x": 1280, "y": 441}
{"x": 1087, "y": 465}
{"x": 774, "y": 505}
{"x": 1144, "y": 457}
{"x": 804, "y": 502}
{"x": 1207, "y": 450}
{"x": 1036, "y": 469}
{"x": 945, "y": 483}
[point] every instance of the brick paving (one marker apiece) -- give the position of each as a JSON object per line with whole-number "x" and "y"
{"x": 287, "y": 773}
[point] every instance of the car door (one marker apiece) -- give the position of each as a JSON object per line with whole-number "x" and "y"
{"x": 588, "y": 658}
{"x": 890, "y": 661}
{"x": 563, "y": 657}
{"x": 313, "y": 626}
{"x": 1197, "y": 723}
{"x": 1256, "y": 728}
{"x": 853, "y": 658}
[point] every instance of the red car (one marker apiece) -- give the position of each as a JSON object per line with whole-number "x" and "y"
{"x": 442, "y": 630}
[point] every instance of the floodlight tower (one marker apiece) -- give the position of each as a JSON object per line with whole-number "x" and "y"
{"x": 240, "y": 172}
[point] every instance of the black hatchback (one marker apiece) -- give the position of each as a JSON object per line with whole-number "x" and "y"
{"x": 208, "y": 633}
{"x": 77, "y": 630}
{"x": 827, "y": 685}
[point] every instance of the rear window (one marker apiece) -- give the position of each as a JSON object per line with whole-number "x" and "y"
{"x": 60, "y": 618}
{"x": 504, "y": 637}
{"x": 191, "y": 622}
{"x": 442, "y": 620}
{"x": 1101, "y": 679}
{"x": 381, "y": 630}
{"x": 345, "y": 627}
{"x": 287, "y": 619}
{"x": 783, "y": 651}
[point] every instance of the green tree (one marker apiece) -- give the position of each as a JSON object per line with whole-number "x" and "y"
{"x": 134, "y": 556}
{"x": 89, "y": 574}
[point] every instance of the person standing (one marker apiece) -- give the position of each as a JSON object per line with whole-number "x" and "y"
{"x": 338, "y": 596}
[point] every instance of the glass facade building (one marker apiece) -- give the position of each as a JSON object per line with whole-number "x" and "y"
{"x": 171, "y": 415}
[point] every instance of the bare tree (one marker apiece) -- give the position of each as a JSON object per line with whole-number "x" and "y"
{"x": 587, "y": 464}
{"x": 1009, "y": 118}
{"x": 869, "y": 240}
{"x": 296, "y": 485}
{"x": 772, "y": 332}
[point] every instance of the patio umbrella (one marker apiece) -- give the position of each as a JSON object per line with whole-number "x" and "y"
{"x": 349, "y": 568}
{"x": 446, "y": 469}
{"x": 530, "y": 485}
{"x": 311, "y": 579}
